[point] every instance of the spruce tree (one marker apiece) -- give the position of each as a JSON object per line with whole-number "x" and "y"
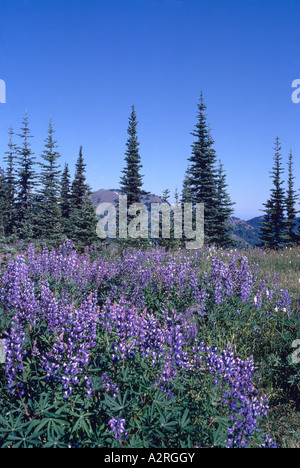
{"x": 176, "y": 195}
{"x": 49, "y": 216}
{"x": 131, "y": 182}
{"x": 83, "y": 220}
{"x": 272, "y": 233}
{"x": 165, "y": 196}
{"x": 224, "y": 210}
{"x": 26, "y": 181}
{"x": 4, "y": 206}
{"x": 202, "y": 173}
{"x": 78, "y": 189}
{"x": 186, "y": 193}
{"x": 65, "y": 201}
{"x": 10, "y": 177}
{"x": 292, "y": 197}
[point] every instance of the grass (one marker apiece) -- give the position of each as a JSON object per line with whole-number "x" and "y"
{"x": 284, "y": 417}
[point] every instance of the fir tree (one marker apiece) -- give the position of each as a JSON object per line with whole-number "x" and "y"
{"x": 65, "y": 201}
{"x": 49, "y": 219}
{"x": 78, "y": 189}
{"x": 165, "y": 196}
{"x": 4, "y": 205}
{"x": 83, "y": 220}
{"x": 176, "y": 195}
{"x": 186, "y": 194}
{"x": 10, "y": 177}
{"x": 131, "y": 182}
{"x": 26, "y": 181}
{"x": 291, "y": 200}
{"x": 272, "y": 233}
{"x": 224, "y": 210}
{"x": 202, "y": 173}
{"x": 83, "y": 223}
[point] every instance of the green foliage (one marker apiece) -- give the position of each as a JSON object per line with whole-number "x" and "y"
{"x": 48, "y": 220}
{"x": 131, "y": 181}
{"x": 273, "y": 227}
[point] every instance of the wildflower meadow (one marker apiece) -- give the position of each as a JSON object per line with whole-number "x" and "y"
{"x": 138, "y": 348}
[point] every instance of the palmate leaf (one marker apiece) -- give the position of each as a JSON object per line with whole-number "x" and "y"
{"x": 23, "y": 439}
{"x": 50, "y": 423}
{"x": 82, "y": 423}
{"x": 220, "y": 435}
{"x": 12, "y": 424}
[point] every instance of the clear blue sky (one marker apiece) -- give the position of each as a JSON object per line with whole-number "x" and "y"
{"x": 85, "y": 62}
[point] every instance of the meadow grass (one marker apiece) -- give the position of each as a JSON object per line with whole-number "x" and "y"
{"x": 153, "y": 339}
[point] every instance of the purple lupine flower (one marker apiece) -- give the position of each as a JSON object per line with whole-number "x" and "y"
{"x": 117, "y": 426}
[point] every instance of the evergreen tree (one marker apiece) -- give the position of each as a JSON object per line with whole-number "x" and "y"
{"x": 26, "y": 181}
{"x": 224, "y": 210}
{"x": 83, "y": 220}
{"x": 83, "y": 223}
{"x": 65, "y": 203}
{"x": 272, "y": 233}
{"x": 291, "y": 200}
{"x": 202, "y": 173}
{"x": 186, "y": 194}
{"x": 176, "y": 195}
{"x": 78, "y": 189}
{"x": 49, "y": 217}
{"x": 165, "y": 196}
{"x": 10, "y": 177}
{"x": 131, "y": 182}
{"x": 4, "y": 205}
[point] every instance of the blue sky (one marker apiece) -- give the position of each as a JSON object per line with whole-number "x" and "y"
{"x": 85, "y": 62}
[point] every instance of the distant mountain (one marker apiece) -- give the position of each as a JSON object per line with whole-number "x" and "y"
{"x": 245, "y": 233}
{"x": 112, "y": 196}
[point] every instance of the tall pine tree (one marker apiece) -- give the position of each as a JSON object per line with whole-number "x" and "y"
{"x": 65, "y": 201}
{"x": 78, "y": 189}
{"x": 49, "y": 216}
{"x": 272, "y": 232}
{"x": 26, "y": 181}
{"x": 4, "y": 206}
{"x": 10, "y": 177}
{"x": 202, "y": 176}
{"x": 224, "y": 210}
{"x": 291, "y": 200}
{"x": 83, "y": 219}
{"x": 131, "y": 182}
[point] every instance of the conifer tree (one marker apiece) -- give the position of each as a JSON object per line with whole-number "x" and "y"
{"x": 166, "y": 196}
{"x": 65, "y": 201}
{"x": 292, "y": 197}
{"x": 83, "y": 220}
{"x": 4, "y": 205}
{"x": 202, "y": 173}
{"x": 186, "y": 194}
{"x": 224, "y": 210}
{"x": 272, "y": 233}
{"x": 78, "y": 189}
{"x": 26, "y": 181}
{"x": 131, "y": 182}
{"x": 10, "y": 177}
{"x": 49, "y": 215}
{"x": 176, "y": 195}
